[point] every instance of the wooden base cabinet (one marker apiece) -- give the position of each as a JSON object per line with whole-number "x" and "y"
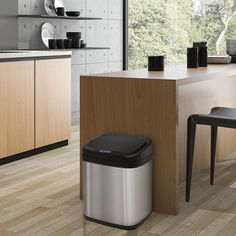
{"x": 17, "y": 107}
{"x": 52, "y": 101}
{"x": 35, "y": 104}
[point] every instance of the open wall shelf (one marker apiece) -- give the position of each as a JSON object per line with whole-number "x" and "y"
{"x": 72, "y": 49}
{"x": 60, "y": 17}
{"x": 88, "y": 48}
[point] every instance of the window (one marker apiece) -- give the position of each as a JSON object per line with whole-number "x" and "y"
{"x": 168, "y": 27}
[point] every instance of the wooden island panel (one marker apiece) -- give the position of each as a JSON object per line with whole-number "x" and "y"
{"x": 133, "y": 107}
{"x": 157, "y": 105}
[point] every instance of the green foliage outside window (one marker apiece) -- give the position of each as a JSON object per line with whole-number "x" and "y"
{"x": 168, "y": 27}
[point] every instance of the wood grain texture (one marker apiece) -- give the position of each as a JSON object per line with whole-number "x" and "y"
{"x": 52, "y": 179}
{"x": 136, "y": 107}
{"x": 17, "y": 107}
{"x": 52, "y": 101}
{"x": 158, "y": 106}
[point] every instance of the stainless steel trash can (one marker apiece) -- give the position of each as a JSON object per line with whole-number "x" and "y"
{"x": 117, "y": 174}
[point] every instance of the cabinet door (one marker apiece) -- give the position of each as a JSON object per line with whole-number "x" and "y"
{"x": 52, "y": 101}
{"x": 17, "y": 107}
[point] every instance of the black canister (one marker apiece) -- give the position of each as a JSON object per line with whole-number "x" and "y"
{"x": 60, "y": 44}
{"x": 68, "y": 43}
{"x": 52, "y": 43}
{"x": 202, "y": 53}
{"x": 76, "y": 43}
{"x": 192, "y": 57}
{"x": 155, "y": 63}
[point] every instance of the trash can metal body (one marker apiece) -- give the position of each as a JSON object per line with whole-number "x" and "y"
{"x": 116, "y": 195}
{"x": 117, "y": 180}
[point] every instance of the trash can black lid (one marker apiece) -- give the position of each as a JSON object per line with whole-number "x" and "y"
{"x": 118, "y": 150}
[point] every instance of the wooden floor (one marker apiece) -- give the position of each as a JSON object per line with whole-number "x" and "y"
{"x": 40, "y": 196}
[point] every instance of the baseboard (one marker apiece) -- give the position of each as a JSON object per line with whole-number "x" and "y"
{"x": 33, "y": 152}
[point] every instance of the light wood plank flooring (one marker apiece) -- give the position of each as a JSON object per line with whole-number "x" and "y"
{"x": 40, "y": 196}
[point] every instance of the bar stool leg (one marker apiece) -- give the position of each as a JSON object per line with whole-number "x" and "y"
{"x": 190, "y": 151}
{"x": 213, "y": 152}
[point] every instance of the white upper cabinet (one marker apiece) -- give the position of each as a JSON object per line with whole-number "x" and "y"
{"x": 96, "y": 56}
{"x": 78, "y": 57}
{"x": 115, "y": 40}
{"x": 24, "y": 7}
{"x": 115, "y": 66}
{"x": 24, "y": 33}
{"x": 97, "y": 33}
{"x": 115, "y": 9}
{"x": 37, "y": 7}
{"x": 96, "y": 68}
{"x": 97, "y": 8}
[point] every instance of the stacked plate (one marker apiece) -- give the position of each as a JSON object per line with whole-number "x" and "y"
{"x": 224, "y": 59}
{"x": 231, "y": 47}
{"x": 48, "y": 31}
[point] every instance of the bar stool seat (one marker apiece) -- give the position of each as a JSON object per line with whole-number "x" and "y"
{"x": 219, "y": 117}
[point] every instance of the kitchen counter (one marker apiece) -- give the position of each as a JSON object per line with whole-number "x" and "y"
{"x": 157, "y": 105}
{"x": 6, "y": 55}
{"x": 35, "y": 95}
{"x": 179, "y": 73}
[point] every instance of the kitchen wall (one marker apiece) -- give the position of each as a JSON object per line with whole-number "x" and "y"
{"x": 102, "y": 33}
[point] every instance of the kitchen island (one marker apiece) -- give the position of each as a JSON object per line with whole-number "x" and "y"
{"x": 157, "y": 105}
{"x": 34, "y": 101}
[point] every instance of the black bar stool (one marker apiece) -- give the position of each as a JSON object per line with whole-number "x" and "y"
{"x": 219, "y": 117}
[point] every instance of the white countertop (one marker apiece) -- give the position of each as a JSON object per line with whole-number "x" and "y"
{"x": 21, "y": 54}
{"x": 177, "y": 73}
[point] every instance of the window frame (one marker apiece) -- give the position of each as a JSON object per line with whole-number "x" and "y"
{"x": 125, "y": 35}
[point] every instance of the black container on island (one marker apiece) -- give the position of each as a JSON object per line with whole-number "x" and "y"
{"x": 155, "y": 63}
{"x": 202, "y": 53}
{"x": 192, "y": 57}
